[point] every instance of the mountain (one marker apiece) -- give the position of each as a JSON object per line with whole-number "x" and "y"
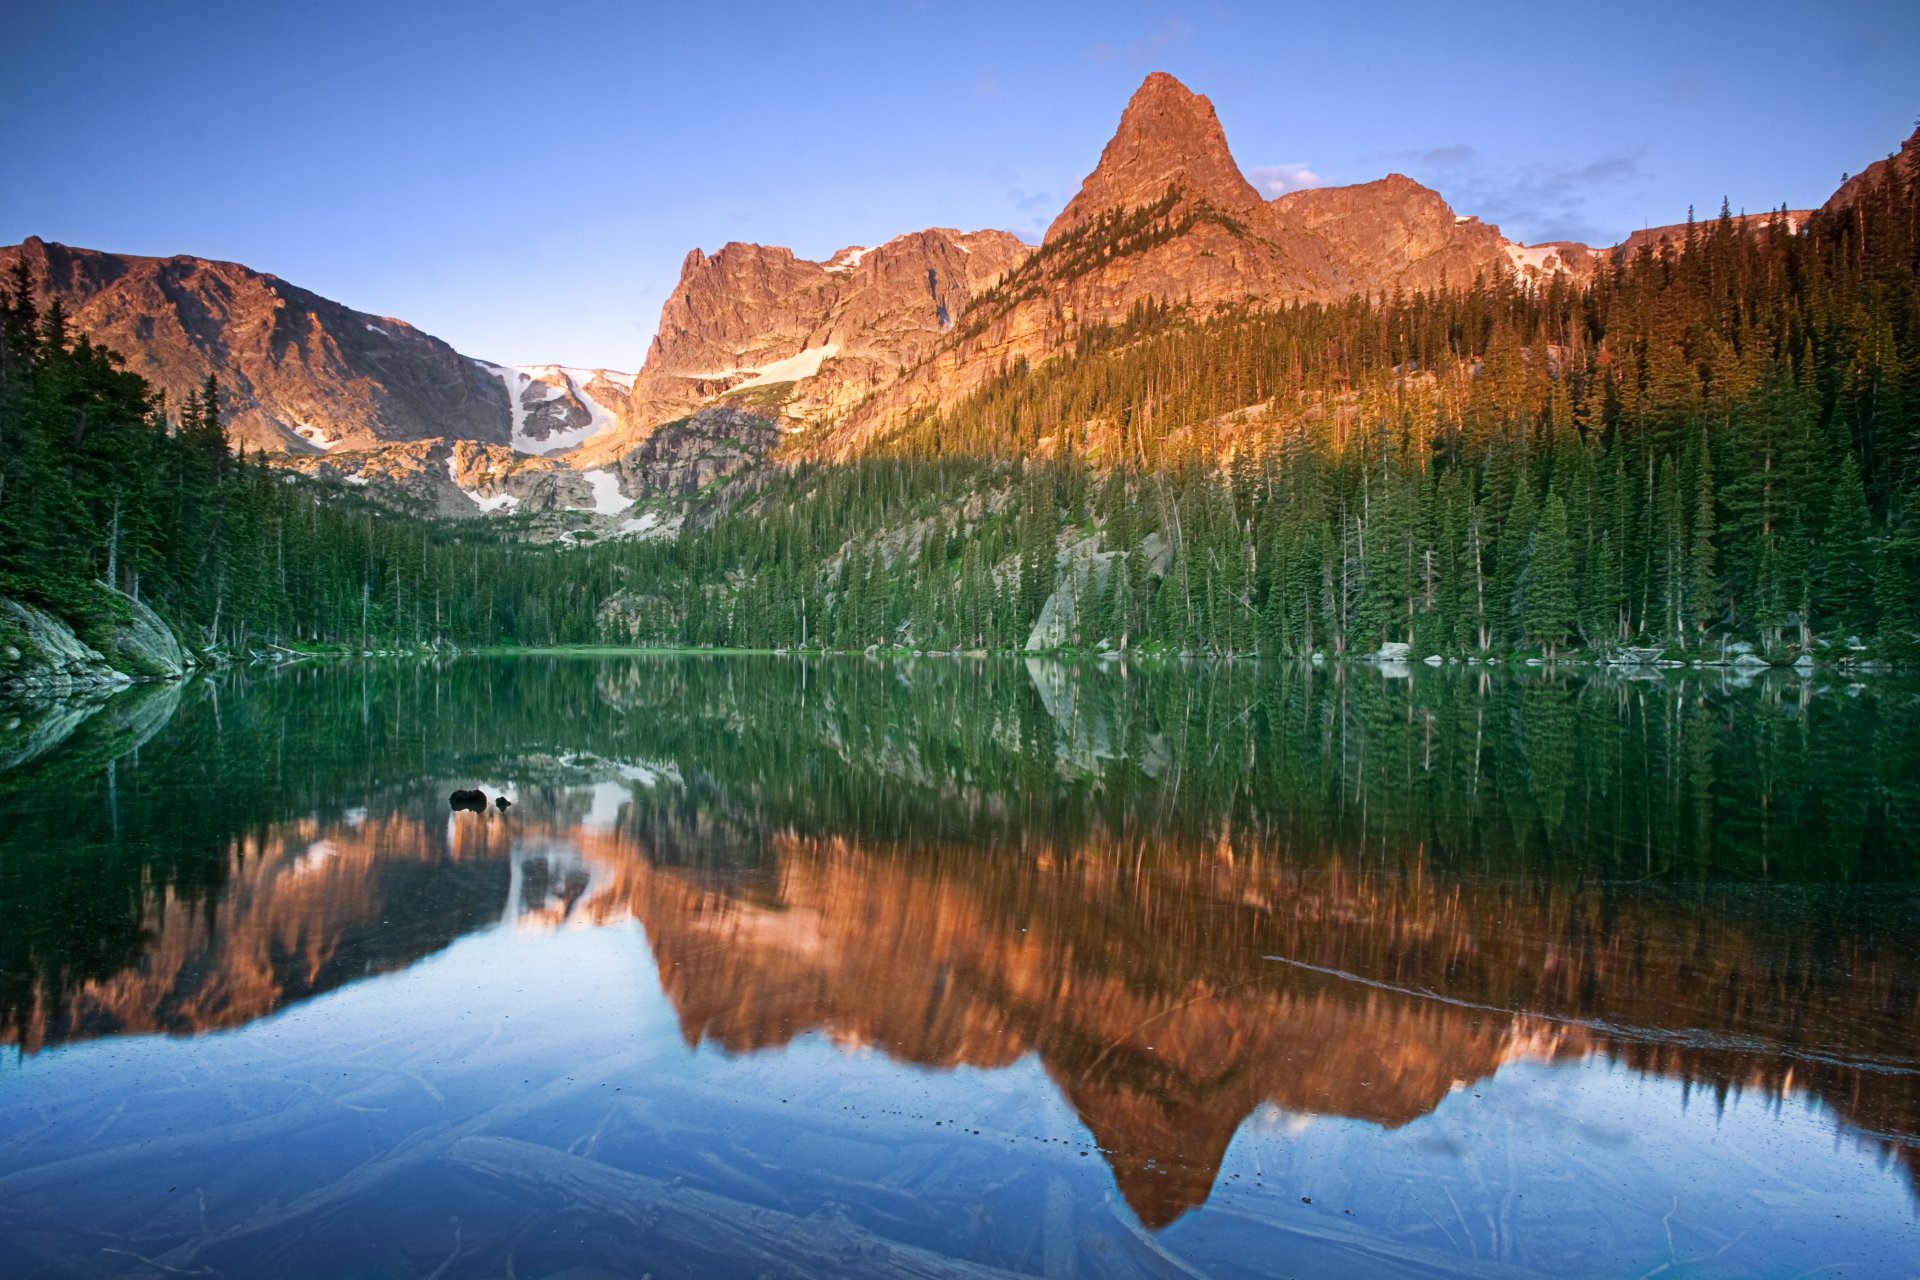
{"x": 838, "y": 351}
{"x": 808, "y": 338}
{"x": 302, "y": 373}
{"x": 1906, "y": 160}
{"x": 1167, "y": 216}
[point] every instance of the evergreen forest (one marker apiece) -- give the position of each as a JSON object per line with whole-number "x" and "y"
{"x": 1715, "y": 443}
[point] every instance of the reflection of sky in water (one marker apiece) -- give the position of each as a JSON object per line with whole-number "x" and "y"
{"x": 565, "y": 1038}
{"x": 742, "y": 979}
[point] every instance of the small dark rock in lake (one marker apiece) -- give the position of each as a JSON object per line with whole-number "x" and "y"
{"x": 474, "y": 801}
{"x": 503, "y": 802}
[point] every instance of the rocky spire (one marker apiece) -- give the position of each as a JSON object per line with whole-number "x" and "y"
{"x": 1168, "y": 135}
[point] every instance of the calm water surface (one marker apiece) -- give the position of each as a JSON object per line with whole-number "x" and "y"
{"x": 961, "y": 969}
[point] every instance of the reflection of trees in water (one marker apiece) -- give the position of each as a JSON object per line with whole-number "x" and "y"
{"x": 1689, "y": 876}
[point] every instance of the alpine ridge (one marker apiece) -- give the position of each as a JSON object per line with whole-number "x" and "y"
{"x": 835, "y": 353}
{"x": 302, "y": 374}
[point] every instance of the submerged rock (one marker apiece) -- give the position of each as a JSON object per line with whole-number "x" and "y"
{"x": 471, "y": 801}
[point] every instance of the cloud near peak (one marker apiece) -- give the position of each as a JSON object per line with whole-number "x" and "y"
{"x": 1278, "y": 179}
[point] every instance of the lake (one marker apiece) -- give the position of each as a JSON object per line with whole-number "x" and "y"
{"x": 955, "y": 967}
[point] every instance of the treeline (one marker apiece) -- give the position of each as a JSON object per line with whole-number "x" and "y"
{"x": 1713, "y": 443}
{"x": 1716, "y": 441}
{"x": 102, "y": 483}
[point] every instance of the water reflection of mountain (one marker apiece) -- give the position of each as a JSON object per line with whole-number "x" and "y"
{"x": 1190, "y": 897}
{"x": 1170, "y": 989}
{"x": 1171, "y": 992}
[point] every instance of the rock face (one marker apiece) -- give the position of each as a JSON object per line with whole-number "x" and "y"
{"x": 300, "y": 372}
{"x": 1168, "y": 139}
{"x": 842, "y": 350}
{"x": 137, "y": 643}
{"x": 40, "y": 654}
{"x": 1167, "y": 216}
{"x": 682, "y": 458}
{"x": 805, "y": 339}
{"x": 555, "y": 408}
{"x": 1906, "y": 161}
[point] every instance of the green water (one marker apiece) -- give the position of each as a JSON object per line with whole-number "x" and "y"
{"x": 961, "y": 968}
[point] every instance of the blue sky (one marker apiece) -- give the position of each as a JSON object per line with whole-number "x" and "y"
{"x": 524, "y": 180}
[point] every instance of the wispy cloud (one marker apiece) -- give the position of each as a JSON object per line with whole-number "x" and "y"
{"x": 1278, "y": 179}
{"x": 1531, "y": 202}
{"x": 1144, "y": 50}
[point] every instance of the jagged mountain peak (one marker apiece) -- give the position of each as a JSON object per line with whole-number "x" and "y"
{"x": 1168, "y": 136}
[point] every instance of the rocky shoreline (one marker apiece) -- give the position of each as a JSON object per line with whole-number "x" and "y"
{"x": 43, "y": 655}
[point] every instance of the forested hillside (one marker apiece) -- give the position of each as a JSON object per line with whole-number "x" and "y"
{"x": 1714, "y": 441}
{"x": 1718, "y": 440}
{"x": 103, "y": 482}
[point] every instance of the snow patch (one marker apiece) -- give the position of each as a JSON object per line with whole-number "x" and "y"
{"x": 607, "y": 499}
{"x": 318, "y": 854}
{"x": 357, "y": 481}
{"x": 515, "y": 382}
{"x": 849, "y": 262}
{"x": 498, "y": 502}
{"x": 314, "y": 436}
{"x": 374, "y": 328}
{"x": 1530, "y": 262}
{"x": 792, "y": 369}
{"x": 559, "y": 380}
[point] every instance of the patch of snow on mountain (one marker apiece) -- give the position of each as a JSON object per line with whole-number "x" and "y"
{"x": 374, "y": 328}
{"x": 560, "y": 380}
{"x": 515, "y": 382}
{"x": 1534, "y": 261}
{"x": 791, "y": 369}
{"x": 642, "y": 525}
{"x": 315, "y": 436}
{"x": 357, "y": 481}
{"x": 498, "y": 502}
{"x": 607, "y": 498}
{"x": 849, "y": 262}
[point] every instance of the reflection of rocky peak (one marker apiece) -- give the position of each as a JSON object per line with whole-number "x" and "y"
{"x": 1169, "y": 1004}
{"x": 307, "y": 908}
{"x": 1171, "y": 986}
